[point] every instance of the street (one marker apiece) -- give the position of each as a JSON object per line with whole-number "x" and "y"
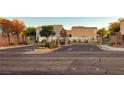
{"x": 77, "y": 59}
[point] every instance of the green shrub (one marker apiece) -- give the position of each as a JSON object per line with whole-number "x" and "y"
{"x": 11, "y": 44}
{"x": 52, "y": 45}
{"x": 79, "y": 40}
{"x": 62, "y": 42}
{"x": 23, "y": 43}
{"x": 36, "y": 41}
{"x": 85, "y": 41}
{"x": 46, "y": 44}
{"x": 69, "y": 42}
{"x": 75, "y": 41}
{"x": 44, "y": 41}
{"x": 111, "y": 44}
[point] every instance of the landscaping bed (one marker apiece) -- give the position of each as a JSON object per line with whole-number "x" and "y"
{"x": 45, "y": 49}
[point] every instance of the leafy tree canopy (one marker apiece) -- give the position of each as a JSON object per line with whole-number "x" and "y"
{"x": 5, "y": 24}
{"x": 17, "y": 25}
{"x": 114, "y": 27}
{"x": 31, "y": 31}
{"x": 104, "y": 32}
{"x": 47, "y": 31}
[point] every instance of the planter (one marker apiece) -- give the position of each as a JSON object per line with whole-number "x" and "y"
{"x": 45, "y": 50}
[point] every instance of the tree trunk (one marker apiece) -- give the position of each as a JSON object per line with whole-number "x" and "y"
{"x": 58, "y": 41}
{"x": 51, "y": 39}
{"x": 18, "y": 38}
{"x": 8, "y": 38}
{"x": 47, "y": 39}
{"x": 66, "y": 40}
{"x": 33, "y": 39}
{"x": 23, "y": 38}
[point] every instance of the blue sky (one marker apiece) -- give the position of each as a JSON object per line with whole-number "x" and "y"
{"x": 68, "y": 22}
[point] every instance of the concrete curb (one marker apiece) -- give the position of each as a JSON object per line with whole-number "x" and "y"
{"x": 2, "y": 48}
{"x": 108, "y": 48}
{"x": 46, "y": 50}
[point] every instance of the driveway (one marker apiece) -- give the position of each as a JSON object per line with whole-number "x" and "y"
{"x": 79, "y": 47}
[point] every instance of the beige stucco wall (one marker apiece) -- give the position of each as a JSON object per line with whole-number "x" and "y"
{"x": 122, "y": 26}
{"x": 84, "y": 32}
{"x": 4, "y": 40}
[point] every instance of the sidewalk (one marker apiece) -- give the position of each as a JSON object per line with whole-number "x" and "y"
{"x": 9, "y": 47}
{"x": 109, "y": 48}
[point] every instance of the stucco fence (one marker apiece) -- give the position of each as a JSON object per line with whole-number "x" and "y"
{"x": 13, "y": 40}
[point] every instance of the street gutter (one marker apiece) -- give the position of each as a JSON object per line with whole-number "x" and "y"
{"x": 10, "y": 47}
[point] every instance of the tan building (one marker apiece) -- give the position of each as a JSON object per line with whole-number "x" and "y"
{"x": 82, "y": 33}
{"x": 118, "y": 38}
{"x": 122, "y": 29}
{"x": 122, "y": 26}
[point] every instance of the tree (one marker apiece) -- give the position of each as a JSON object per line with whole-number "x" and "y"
{"x": 17, "y": 27}
{"x": 6, "y": 27}
{"x": 24, "y": 35}
{"x": 47, "y": 31}
{"x": 63, "y": 34}
{"x": 103, "y": 32}
{"x": 114, "y": 27}
{"x": 31, "y": 32}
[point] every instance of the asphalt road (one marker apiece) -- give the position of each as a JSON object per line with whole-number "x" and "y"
{"x": 79, "y": 47}
{"x": 17, "y": 50}
{"x": 78, "y": 59}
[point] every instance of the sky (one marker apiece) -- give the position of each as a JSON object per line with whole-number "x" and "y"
{"x": 68, "y": 22}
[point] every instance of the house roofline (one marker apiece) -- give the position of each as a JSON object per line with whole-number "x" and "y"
{"x": 83, "y": 27}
